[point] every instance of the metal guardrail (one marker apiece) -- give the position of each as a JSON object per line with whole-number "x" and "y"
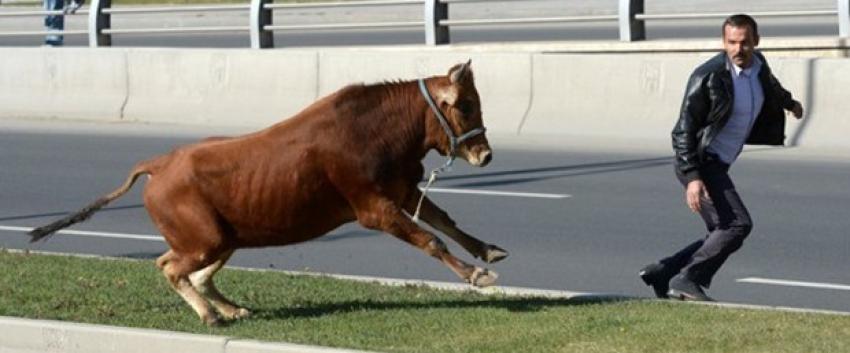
{"x": 176, "y": 9}
{"x": 435, "y": 21}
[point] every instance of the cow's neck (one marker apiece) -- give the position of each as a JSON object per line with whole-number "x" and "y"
{"x": 405, "y": 132}
{"x": 414, "y": 129}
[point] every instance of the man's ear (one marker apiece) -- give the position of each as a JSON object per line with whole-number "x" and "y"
{"x": 460, "y": 73}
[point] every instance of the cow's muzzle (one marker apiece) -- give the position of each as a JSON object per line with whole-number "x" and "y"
{"x": 479, "y": 157}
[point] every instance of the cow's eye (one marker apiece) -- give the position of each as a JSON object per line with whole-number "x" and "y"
{"x": 465, "y": 107}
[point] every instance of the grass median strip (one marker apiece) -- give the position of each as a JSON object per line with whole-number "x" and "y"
{"x": 338, "y": 313}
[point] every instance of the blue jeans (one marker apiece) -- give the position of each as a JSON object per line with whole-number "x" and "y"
{"x": 54, "y": 22}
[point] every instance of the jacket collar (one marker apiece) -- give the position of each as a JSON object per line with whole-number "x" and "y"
{"x": 735, "y": 70}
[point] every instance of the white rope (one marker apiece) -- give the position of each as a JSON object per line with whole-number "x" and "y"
{"x": 431, "y": 179}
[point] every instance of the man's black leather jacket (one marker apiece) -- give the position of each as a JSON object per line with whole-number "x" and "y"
{"x": 708, "y": 104}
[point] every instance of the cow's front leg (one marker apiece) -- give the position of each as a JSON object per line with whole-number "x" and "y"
{"x": 440, "y": 220}
{"x": 382, "y": 214}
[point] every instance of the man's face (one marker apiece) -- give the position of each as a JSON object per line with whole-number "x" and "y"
{"x": 739, "y": 44}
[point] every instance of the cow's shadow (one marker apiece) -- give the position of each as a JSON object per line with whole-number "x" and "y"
{"x": 520, "y": 176}
{"x": 518, "y": 304}
{"x": 65, "y": 213}
{"x": 474, "y": 179}
{"x": 145, "y": 255}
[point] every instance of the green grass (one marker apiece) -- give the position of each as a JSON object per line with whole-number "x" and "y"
{"x": 329, "y": 312}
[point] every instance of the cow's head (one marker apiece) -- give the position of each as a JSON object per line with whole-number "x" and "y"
{"x": 462, "y": 108}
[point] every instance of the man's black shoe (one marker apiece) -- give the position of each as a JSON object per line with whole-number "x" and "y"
{"x": 656, "y": 276}
{"x": 684, "y": 289}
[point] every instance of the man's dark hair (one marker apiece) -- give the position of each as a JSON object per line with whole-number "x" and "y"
{"x": 740, "y": 20}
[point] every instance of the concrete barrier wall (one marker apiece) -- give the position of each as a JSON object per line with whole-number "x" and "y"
{"x": 828, "y": 121}
{"x": 231, "y": 87}
{"x": 626, "y": 96}
{"x": 639, "y": 96}
{"x": 607, "y": 95}
{"x": 503, "y": 79}
{"x": 62, "y": 84}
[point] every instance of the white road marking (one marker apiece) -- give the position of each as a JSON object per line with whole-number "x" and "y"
{"x": 498, "y": 193}
{"x": 148, "y": 237}
{"x": 781, "y": 282}
{"x": 83, "y": 233}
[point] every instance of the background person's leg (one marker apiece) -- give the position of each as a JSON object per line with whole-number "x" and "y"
{"x": 54, "y": 22}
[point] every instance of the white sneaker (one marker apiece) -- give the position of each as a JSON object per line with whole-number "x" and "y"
{"x": 73, "y": 6}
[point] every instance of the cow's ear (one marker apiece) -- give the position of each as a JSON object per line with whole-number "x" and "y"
{"x": 460, "y": 73}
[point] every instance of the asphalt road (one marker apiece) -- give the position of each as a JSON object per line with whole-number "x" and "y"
{"x": 624, "y": 209}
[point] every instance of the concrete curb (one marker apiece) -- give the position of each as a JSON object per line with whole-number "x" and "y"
{"x": 27, "y": 335}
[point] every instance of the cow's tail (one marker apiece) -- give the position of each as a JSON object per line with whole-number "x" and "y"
{"x": 84, "y": 214}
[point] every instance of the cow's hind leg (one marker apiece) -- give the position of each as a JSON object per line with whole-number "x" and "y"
{"x": 203, "y": 282}
{"x": 176, "y": 267}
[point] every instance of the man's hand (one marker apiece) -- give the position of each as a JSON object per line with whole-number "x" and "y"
{"x": 696, "y": 189}
{"x": 797, "y": 110}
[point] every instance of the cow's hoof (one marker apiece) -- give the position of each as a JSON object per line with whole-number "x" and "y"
{"x": 483, "y": 277}
{"x": 240, "y": 313}
{"x": 494, "y": 254}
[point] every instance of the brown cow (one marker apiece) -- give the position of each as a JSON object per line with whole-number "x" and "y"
{"x": 353, "y": 155}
